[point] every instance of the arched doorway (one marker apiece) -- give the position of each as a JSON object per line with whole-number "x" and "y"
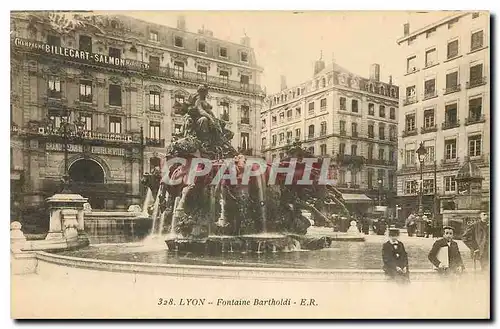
{"x": 85, "y": 174}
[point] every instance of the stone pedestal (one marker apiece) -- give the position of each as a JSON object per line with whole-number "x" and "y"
{"x": 66, "y": 215}
{"x": 17, "y": 238}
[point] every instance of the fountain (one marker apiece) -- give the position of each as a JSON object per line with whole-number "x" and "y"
{"x": 215, "y": 206}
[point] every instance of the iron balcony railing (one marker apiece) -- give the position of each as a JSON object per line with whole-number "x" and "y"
{"x": 428, "y": 129}
{"x": 450, "y": 124}
{"x": 452, "y": 89}
{"x": 475, "y": 82}
{"x": 475, "y": 119}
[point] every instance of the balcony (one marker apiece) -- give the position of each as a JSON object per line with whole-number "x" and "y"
{"x": 350, "y": 160}
{"x": 245, "y": 121}
{"x": 451, "y": 89}
{"x": 450, "y": 124}
{"x": 155, "y": 142}
{"x": 450, "y": 162}
{"x": 54, "y": 94}
{"x": 322, "y": 133}
{"x": 381, "y": 137}
{"x": 154, "y": 108}
{"x": 428, "y": 129}
{"x": 430, "y": 94}
{"x": 475, "y": 119}
{"x": 407, "y": 133}
{"x": 371, "y": 135}
{"x": 480, "y": 159}
{"x": 409, "y": 100}
{"x": 476, "y": 82}
{"x": 91, "y": 135}
{"x": 355, "y": 134}
{"x": 245, "y": 151}
{"x": 342, "y": 133}
{"x": 85, "y": 98}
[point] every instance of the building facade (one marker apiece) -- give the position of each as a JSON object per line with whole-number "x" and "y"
{"x": 348, "y": 118}
{"x": 115, "y": 79}
{"x": 445, "y": 104}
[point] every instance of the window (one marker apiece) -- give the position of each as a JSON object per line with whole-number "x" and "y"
{"x": 370, "y": 151}
{"x": 430, "y": 88}
{"x": 297, "y": 133}
{"x": 381, "y": 111}
{"x": 224, "y": 111}
{"x": 223, "y": 52}
{"x": 154, "y": 100}
{"x": 297, "y": 112}
{"x": 85, "y": 43}
{"x": 411, "y": 95}
{"x": 322, "y": 149}
{"x": 114, "y": 52}
{"x": 244, "y": 80}
{"x": 86, "y": 91}
{"x": 154, "y": 63}
{"x": 177, "y": 129}
{"x": 54, "y": 87}
{"x": 451, "y": 81}
{"x": 476, "y": 40}
{"x": 450, "y": 147}
{"x": 341, "y": 177}
{"x": 450, "y": 185}
{"x": 54, "y": 40}
{"x": 475, "y": 145}
{"x": 115, "y": 95}
{"x": 245, "y": 114}
{"x": 202, "y": 48}
{"x": 154, "y": 162}
{"x": 179, "y": 69}
{"x": 452, "y": 49}
{"x": 354, "y": 106}
{"x": 224, "y": 75}
{"x": 428, "y": 186}
{"x": 371, "y": 131}
{"x": 264, "y": 142}
{"x": 323, "y": 128}
{"x": 153, "y": 36}
{"x": 178, "y": 42}
{"x": 410, "y": 122}
{"x": 202, "y": 73}
{"x": 411, "y": 64}
{"x": 154, "y": 130}
{"x": 393, "y": 135}
{"x": 282, "y": 137}
{"x": 381, "y": 154}
{"x": 282, "y": 117}
{"x": 244, "y": 56}
{"x": 354, "y": 149}
{"x": 475, "y": 109}
{"x": 341, "y": 148}
{"x": 87, "y": 120}
{"x": 371, "y": 109}
{"x": 354, "y": 129}
{"x": 342, "y": 126}
{"x": 289, "y": 115}
{"x": 392, "y": 113}
{"x": 429, "y": 118}
{"x": 274, "y": 120}
{"x": 323, "y": 104}
{"x": 451, "y": 114}
{"x": 273, "y": 140}
{"x": 431, "y": 154}
{"x": 245, "y": 141}
{"x": 263, "y": 123}
{"x": 311, "y": 107}
{"x": 410, "y": 155}
{"x": 430, "y": 57}
{"x": 115, "y": 125}
{"x": 311, "y": 131}
{"x": 343, "y": 104}
{"x": 289, "y": 136}
{"x": 179, "y": 98}
{"x": 410, "y": 187}
{"x": 476, "y": 74}
{"x": 381, "y": 131}
{"x": 391, "y": 155}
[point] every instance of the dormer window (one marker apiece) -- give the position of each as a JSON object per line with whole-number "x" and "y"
{"x": 153, "y": 36}
{"x": 244, "y": 57}
{"x": 223, "y": 52}
{"x": 202, "y": 47}
{"x": 114, "y": 52}
{"x": 179, "y": 42}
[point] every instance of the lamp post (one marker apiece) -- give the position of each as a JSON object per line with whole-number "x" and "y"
{"x": 379, "y": 191}
{"x": 421, "y": 153}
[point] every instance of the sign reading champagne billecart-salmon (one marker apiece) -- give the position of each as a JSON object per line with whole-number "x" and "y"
{"x": 80, "y": 54}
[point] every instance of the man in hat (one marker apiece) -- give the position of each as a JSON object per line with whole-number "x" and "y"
{"x": 477, "y": 237}
{"x": 395, "y": 258}
{"x": 454, "y": 263}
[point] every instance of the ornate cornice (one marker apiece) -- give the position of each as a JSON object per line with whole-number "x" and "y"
{"x": 178, "y": 57}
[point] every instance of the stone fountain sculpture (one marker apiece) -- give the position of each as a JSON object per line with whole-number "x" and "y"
{"x": 198, "y": 216}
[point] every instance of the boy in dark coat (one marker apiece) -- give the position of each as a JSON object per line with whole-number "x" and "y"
{"x": 477, "y": 239}
{"x": 455, "y": 263}
{"x": 395, "y": 258}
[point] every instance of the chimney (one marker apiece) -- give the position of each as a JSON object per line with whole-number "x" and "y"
{"x": 283, "y": 83}
{"x": 245, "y": 41}
{"x": 319, "y": 65}
{"x": 406, "y": 28}
{"x": 375, "y": 72}
{"x": 390, "y": 79}
{"x": 181, "y": 23}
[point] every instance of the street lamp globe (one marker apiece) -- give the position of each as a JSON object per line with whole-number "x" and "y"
{"x": 421, "y": 153}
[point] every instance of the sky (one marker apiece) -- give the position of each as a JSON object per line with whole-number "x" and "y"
{"x": 288, "y": 43}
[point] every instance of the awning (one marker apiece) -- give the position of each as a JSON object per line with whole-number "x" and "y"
{"x": 355, "y": 198}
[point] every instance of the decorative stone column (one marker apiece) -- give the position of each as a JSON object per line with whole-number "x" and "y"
{"x": 17, "y": 238}
{"x": 66, "y": 214}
